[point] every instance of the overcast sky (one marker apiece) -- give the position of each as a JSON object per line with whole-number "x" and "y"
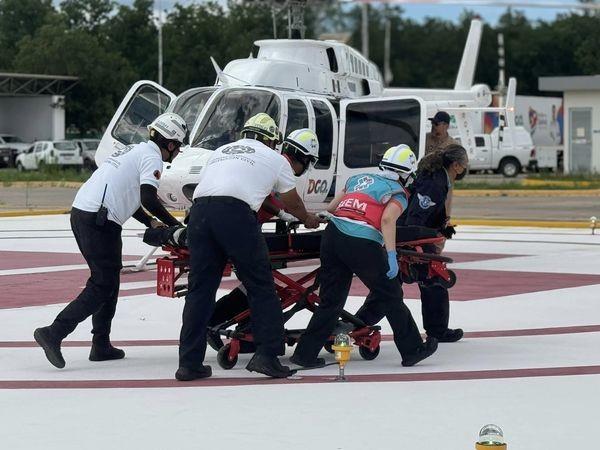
{"x": 450, "y": 12}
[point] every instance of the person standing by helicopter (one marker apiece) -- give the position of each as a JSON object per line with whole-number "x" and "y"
{"x": 117, "y": 190}
{"x": 438, "y": 138}
{"x": 223, "y": 225}
{"x": 427, "y": 208}
{"x": 361, "y": 239}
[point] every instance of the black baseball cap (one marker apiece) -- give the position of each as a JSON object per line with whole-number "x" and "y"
{"x": 441, "y": 116}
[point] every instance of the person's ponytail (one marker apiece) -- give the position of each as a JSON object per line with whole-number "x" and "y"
{"x": 432, "y": 162}
{"x": 443, "y": 158}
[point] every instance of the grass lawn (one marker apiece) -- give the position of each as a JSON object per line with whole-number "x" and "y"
{"x": 546, "y": 181}
{"x": 530, "y": 182}
{"x": 9, "y": 176}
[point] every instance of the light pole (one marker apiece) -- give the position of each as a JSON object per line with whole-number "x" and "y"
{"x": 501, "y": 61}
{"x": 160, "y": 44}
{"x": 365, "y": 29}
{"x": 388, "y": 76}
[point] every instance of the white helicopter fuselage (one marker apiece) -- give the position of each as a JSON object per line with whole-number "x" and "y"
{"x": 323, "y": 85}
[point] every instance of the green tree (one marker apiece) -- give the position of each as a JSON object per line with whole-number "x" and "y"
{"x": 191, "y": 38}
{"x": 104, "y": 76}
{"x": 132, "y": 33}
{"x": 88, "y": 14}
{"x": 20, "y": 18}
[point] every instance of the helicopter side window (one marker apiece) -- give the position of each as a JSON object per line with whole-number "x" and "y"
{"x": 145, "y": 105}
{"x": 373, "y": 127}
{"x": 297, "y": 116}
{"x": 190, "y": 104}
{"x": 224, "y": 121}
{"x": 324, "y": 130}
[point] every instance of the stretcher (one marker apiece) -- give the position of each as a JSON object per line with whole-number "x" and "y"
{"x": 231, "y": 320}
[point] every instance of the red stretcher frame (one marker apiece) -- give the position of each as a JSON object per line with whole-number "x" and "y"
{"x": 301, "y": 292}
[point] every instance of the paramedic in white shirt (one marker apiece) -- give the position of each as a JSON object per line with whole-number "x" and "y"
{"x": 223, "y": 226}
{"x": 125, "y": 182}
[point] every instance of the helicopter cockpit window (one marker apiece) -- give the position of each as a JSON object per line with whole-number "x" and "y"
{"x": 224, "y": 121}
{"x": 145, "y": 105}
{"x": 324, "y": 130}
{"x": 373, "y": 127}
{"x": 190, "y": 104}
{"x": 297, "y": 116}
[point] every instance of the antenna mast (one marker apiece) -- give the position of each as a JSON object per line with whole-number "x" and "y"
{"x": 296, "y": 27}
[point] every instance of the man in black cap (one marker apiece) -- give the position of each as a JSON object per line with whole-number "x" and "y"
{"x": 438, "y": 138}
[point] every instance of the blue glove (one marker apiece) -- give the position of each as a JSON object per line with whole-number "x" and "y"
{"x": 393, "y": 264}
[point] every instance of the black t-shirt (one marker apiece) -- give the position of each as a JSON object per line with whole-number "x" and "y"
{"x": 426, "y": 205}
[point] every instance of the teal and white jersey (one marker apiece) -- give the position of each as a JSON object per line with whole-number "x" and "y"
{"x": 359, "y": 213}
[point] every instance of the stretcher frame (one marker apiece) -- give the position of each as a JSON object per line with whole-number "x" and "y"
{"x": 297, "y": 294}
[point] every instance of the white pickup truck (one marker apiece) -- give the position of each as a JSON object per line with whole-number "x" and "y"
{"x": 509, "y": 158}
{"x": 10, "y": 147}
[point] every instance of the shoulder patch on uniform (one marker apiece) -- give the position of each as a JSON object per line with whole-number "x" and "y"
{"x": 363, "y": 183}
{"x": 157, "y": 174}
{"x": 425, "y": 201}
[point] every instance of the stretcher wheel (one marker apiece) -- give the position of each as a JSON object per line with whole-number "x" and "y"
{"x": 226, "y": 308}
{"x": 451, "y": 282}
{"x": 223, "y": 358}
{"x": 366, "y": 353}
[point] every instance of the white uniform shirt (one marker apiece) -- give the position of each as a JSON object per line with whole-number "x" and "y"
{"x": 122, "y": 173}
{"x": 247, "y": 170}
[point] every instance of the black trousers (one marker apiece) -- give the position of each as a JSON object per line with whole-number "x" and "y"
{"x": 220, "y": 228}
{"x": 101, "y": 246}
{"x": 342, "y": 256}
{"x": 435, "y": 307}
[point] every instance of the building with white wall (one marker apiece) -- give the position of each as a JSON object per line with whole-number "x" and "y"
{"x": 581, "y": 102}
{"x": 33, "y": 106}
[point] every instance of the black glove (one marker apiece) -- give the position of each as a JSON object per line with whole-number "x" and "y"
{"x": 174, "y": 236}
{"x": 448, "y": 232}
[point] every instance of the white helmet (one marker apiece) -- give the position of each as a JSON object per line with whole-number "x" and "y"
{"x": 401, "y": 160}
{"x": 171, "y": 126}
{"x": 302, "y": 145}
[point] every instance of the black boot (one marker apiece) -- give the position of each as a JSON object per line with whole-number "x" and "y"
{"x": 185, "y": 374}
{"x": 448, "y": 335}
{"x": 318, "y": 362}
{"x": 102, "y": 350}
{"x": 51, "y": 345}
{"x": 269, "y": 365}
{"x": 425, "y": 350}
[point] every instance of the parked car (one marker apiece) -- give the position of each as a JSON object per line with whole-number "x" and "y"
{"x": 88, "y": 152}
{"x": 10, "y": 147}
{"x": 48, "y": 153}
{"x": 509, "y": 158}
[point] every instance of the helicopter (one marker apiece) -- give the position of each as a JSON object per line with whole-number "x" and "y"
{"x": 326, "y": 86}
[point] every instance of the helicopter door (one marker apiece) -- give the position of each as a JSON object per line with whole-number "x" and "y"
{"x": 319, "y": 180}
{"x": 369, "y": 127}
{"x": 144, "y": 102}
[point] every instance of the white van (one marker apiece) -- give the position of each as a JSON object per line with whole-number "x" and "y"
{"x": 60, "y": 153}
{"x": 510, "y": 158}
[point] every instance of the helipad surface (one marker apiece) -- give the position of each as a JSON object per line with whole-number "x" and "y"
{"x": 528, "y": 299}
